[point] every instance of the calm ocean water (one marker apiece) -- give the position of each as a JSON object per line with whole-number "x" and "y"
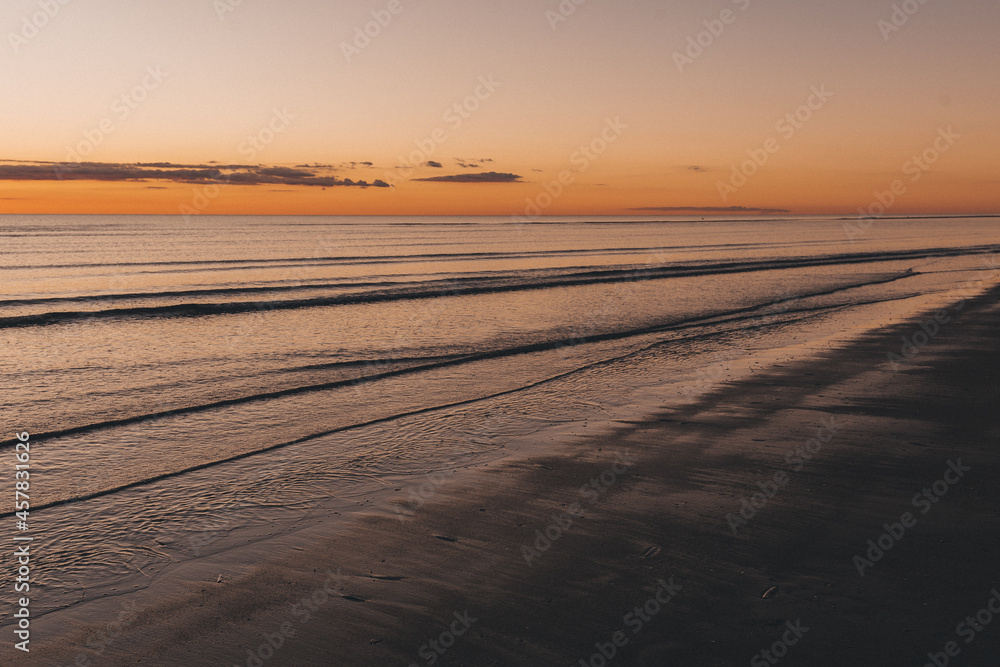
{"x": 184, "y": 380}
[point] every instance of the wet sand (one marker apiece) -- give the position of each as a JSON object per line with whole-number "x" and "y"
{"x": 634, "y": 543}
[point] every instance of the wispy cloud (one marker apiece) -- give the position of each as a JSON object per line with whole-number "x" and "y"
{"x": 488, "y": 177}
{"x": 472, "y": 164}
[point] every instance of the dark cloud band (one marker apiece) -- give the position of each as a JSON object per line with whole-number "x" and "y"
{"x": 164, "y": 171}
{"x": 488, "y": 177}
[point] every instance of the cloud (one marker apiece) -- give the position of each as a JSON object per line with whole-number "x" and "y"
{"x": 97, "y": 171}
{"x": 378, "y": 183}
{"x": 710, "y": 209}
{"x": 285, "y": 172}
{"x": 436, "y": 165}
{"x": 488, "y": 177}
{"x": 476, "y": 163}
{"x": 165, "y": 171}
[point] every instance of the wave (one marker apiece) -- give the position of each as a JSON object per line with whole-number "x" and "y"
{"x": 287, "y": 262}
{"x": 452, "y": 287}
{"x": 735, "y": 316}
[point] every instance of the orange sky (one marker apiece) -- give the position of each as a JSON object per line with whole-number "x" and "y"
{"x": 618, "y": 100}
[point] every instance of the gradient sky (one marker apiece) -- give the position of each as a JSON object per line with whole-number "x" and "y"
{"x": 229, "y": 72}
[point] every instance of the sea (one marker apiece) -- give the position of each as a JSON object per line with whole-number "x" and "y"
{"x": 196, "y": 386}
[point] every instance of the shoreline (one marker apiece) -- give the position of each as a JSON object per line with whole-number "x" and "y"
{"x": 235, "y": 545}
{"x": 662, "y": 517}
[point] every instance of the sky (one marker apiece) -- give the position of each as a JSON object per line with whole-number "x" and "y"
{"x": 521, "y": 108}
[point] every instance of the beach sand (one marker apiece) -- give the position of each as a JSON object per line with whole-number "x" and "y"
{"x": 455, "y": 572}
